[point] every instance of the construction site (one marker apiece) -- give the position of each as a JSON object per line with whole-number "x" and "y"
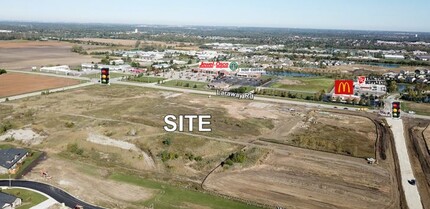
{"x": 99, "y": 135}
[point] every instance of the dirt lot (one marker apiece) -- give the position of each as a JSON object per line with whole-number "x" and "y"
{"x": 27, "y": 54}
{"x": 19, "y": 83}
{"x": 306, "y": 179}
{"x": 127, "y": 116}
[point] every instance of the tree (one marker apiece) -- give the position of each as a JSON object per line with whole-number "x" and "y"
{"x": 137, "y": 44}
{"x": 135, "y": 64}
{"x": 78, "y": 49}
{"x": 3, "y": 71}
{"x": 392, "y": 87}
{"x": 190, "y": 62}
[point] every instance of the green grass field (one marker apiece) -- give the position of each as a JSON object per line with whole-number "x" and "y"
{"x": 305, "y": 84}
{"x": 29, "y": 198}
{"x": 146, "y": 79}
{"x": 112, "y": 75}
{"x": 418, "y": 108}
{"x": 169, "y": 196}
{"x": 186, "y": 84}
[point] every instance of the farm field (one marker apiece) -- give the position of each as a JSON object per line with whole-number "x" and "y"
{"x": 23, "y": 55}
{"x": 19, "y": 83}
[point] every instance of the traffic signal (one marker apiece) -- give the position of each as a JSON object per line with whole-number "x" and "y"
{"x": 104, "y": 76}
{"x": 395, "y": 109}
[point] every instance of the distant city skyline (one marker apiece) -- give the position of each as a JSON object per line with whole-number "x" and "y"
{"x": 382, "y": 15}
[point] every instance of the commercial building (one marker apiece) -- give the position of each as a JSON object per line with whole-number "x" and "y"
{"x": 61, "y": 69}
{"x": 10, "y": 159}
{"x": 394, "y": 56}
{"x": 250, "y": 72}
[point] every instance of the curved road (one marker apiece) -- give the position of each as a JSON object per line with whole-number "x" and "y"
{"x": 54, "y": 192}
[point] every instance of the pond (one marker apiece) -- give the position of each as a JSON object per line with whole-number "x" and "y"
{"x": 291, "y": 74}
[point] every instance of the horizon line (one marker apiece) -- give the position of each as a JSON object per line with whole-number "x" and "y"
{"x": 201, "y": 25}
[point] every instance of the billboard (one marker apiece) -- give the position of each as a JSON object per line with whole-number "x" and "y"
{"x": 344, "y": 87}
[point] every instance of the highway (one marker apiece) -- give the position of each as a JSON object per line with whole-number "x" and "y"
{"x": 412, "y": 195}
{"x": 54, "y": 192}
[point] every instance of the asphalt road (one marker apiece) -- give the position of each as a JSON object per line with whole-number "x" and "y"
{"x": 54, "y": 192}
{"x": 412, "y": 195}
{"x": 211, "y": 93}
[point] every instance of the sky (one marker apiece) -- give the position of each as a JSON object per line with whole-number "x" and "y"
{"x": 390, "y": 15}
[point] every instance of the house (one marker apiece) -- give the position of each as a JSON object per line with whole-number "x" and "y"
{"x": 410, "y": 79}
{"x": 8, "y": 201}
{"x": 423, "y": 57}
{"x": 10, "y": 159}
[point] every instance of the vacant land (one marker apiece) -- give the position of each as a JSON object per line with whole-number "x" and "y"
{"x": 111, "y": 131}
{"x": 27, "y": 54}
{"x": 418, "y": 108}
{"x": 305, "y": 84}
{"x": 19, "y": 83}
{"x": 29, "y": 198}
{"x": 304, "y": 179}
{"x": 111, "y": 75}
{"x": 186, "y": 84}
{"x": 169, "y": 196}
{"x": 355, "y": 135}
{"x": 146, "y": 79}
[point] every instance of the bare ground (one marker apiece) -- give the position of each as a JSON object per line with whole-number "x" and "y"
{"x": 71, "y": 177}
{"x": 17, "y": 55}
{"x": 309, "y": 179}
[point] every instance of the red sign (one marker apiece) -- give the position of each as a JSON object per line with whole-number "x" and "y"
{"x": 214, "y": 65}
{"x": 206, "y": 65}
{"x": 344, "y": 87}
{"x": 361, "y": 79}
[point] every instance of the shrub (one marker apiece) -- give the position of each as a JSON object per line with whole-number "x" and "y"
{"x": 74, "y": 149}
{"x": 167, "y": 141}
{"x": 187, "y": 85}
{"x": 5, "y": 126}
{"x": 69, "y": 124}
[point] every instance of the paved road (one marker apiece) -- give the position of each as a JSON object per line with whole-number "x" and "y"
{"x": 257, "y": 98}
{"x": 412, "y": 195}
{"x": 54, "y": 192}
